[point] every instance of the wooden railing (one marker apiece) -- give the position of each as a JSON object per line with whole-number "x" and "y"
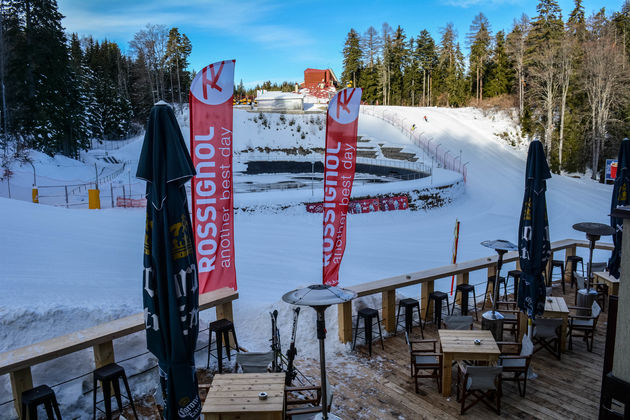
{"x": 17, "y": 363}
{"x": 426, "y": 278}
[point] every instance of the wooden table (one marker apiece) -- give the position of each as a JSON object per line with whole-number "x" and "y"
{"x": 605, "y": 277}
{"x": 556, "y": 307}
{"x": 460, "y": 345}
{"x": 234, "y": 396}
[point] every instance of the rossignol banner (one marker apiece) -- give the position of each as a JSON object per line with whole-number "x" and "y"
{"x": 340, "y": 164}
{"x": 211, "y": 123}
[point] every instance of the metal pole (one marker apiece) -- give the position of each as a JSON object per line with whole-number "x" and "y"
{"x": 312, "y": 178}
{"x": 66, "y": 187}
{"x": 129, "y": 173}
{"x": 34, "y": 175}
{"x": 124, "y": 197}
{"x": 111, "y": 189}
{"x": 96, "y": 170}
{"x": 321, "y": 335}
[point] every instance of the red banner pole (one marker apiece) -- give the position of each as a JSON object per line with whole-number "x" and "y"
{"x": 211, "y": 123}
{"x": 340, "y": 163}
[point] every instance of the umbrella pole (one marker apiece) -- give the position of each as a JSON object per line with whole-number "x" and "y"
{"x": 529, "y": 327}
{"x": 496, "y": 282}
{"x": 321, "y": 335}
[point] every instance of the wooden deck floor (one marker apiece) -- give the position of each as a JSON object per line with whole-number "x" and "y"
{"x": 380, "y": 387}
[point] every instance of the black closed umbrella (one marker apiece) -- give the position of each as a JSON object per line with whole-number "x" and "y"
{"x": 620, "y": 197}
{"x": 533, "y": 233}
{"x": 170, "y": 285}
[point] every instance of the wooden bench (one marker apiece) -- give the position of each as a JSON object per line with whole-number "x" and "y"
{"x": 17, "y": 363}
{"x": 426, "y": 278}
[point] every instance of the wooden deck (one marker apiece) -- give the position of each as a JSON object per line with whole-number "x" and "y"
{"x": 380, "y": 387}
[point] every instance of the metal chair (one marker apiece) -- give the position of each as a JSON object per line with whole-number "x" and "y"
{"x": 510, "y": 311}
{"x": 574, "y": 260}
{"x": 547, "y": 334}
{"x": 454, "y": 322}
{"x": 481, "y": 382}
{"x": 601, "y": 288}
{"x": 584, "y": 324}
{"x": 424, "y": 359}
{"x": 491, "y": 280}
{"x": 253, "y": 362}
{"x": 517, "y": 362}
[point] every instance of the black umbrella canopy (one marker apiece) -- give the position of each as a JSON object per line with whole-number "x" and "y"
{"x": 170, "y": 285}
{"x": 533, "y": 233}
{"x": 620, "y": 198}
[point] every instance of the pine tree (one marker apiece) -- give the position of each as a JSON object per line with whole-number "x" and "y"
{"x": 352, "y": 54}
{"x": 427, "y": 60}
{"x": 479, "y": 40}
{"x": 451, "y": 90}
{"x": 499, "y": 71}
{"x": 398, "y": 56}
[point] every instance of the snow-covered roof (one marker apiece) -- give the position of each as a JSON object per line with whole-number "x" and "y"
{"x": 280, "y": 95}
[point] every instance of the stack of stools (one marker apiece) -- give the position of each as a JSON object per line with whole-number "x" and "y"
{"x": 368, "y": 315}
{"x": 222, "y": 329}
{"x": 560, "y": 265}
{"x": 572, "y": 261}
{"x": 409, "y": 305}
{"x": 465, "y": 290}
{"x": 109, "y": 376}
{"x": 437, "y": 298}
{"x": 41, "y": 395}
{"x": 516, "y": 275}
{"x": 491, "y": 280}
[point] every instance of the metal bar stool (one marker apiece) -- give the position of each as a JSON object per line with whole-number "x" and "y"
{"x": 560, "y": 265}
{"x": 516, "y": 275}
{"x": 437, "y": 298}
{"x": 409, "y": 305}
{"x": 40, "y": 395}
{"x": 222, "y": 329}
{"x": 368, "y": 315}
{"x": 465, "y": 290}
{"x": 491, "y": 280}
{"x": 110, "y": 376}
{"x": 573, "y": 260}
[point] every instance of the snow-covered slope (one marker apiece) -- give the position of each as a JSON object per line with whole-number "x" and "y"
{"x": 62, "y": 270}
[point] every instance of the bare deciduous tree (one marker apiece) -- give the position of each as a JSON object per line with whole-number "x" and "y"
{"x": 545, "y": 81}
{"x": 516, "y": 48}
{"x": 605, "y": 81}
{"x": 566, "y": 57}
{"x": 151, "y": 42}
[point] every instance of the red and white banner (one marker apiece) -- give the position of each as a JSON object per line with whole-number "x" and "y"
{"x": 211, "y": 124}
{"x": 340, "y": 165}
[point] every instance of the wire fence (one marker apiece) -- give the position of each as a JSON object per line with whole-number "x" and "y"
{"x": 445, "y": 159}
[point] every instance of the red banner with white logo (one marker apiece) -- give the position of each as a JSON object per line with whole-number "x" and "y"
{"x": 340, "y": 165}
{"x": 211, "y": 122}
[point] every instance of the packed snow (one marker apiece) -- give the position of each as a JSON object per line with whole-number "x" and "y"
{"x": 67, "y": 269}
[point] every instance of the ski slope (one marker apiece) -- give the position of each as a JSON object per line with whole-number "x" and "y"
{"x": 66, "y": 269}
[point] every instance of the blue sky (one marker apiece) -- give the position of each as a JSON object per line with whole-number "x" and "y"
{"x": 275, "y": 40}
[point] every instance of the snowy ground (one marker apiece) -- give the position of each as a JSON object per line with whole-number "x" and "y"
{"x": 65, "y": 269}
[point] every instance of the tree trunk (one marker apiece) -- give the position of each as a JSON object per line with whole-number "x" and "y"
{"x": 565, "y": 90}
{"x": 179, "y": 84}
{"x": 424, "y": 83}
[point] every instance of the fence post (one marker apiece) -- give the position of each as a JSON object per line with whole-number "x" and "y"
{"x": 66, "y": 188}
{"x": 124, "y": 197}
{"x": 344, "y": 316}
{"x": 389, "y": 310}
{"x": 426, "y": 290}
{"x": 111, "y": 189}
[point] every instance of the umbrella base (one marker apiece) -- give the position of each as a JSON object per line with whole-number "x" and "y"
{"x": 493, "y": 321}
{"x": 331, "y": 416}
{"x": 585, "y": 299}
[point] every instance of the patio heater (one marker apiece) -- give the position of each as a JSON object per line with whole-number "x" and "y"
{"x": 320, "y": 297}
{"x": 594, "y": 231}
{"x": 493, "y": 319}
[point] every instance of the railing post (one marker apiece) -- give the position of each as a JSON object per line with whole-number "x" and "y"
{"x": 427, "y": 289}
{"x": 549, "y": 268}
{"x": 103, "y": 356}
{"x": 389, "y": 310}
{"x": 569, "y": 252}
{"x": 344, "y": 316}
{"x": 462, "y": 278}
{"x": 21, "y": 380}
